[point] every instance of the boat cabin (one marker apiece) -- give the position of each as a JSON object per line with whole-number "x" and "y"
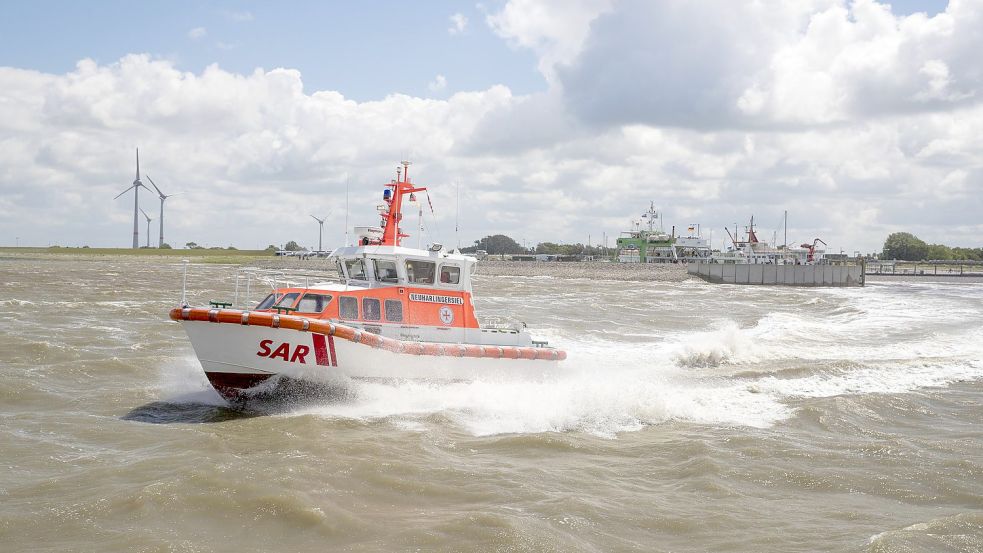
{"x": 381, "y": 266}
{"x": 395, "y": 291}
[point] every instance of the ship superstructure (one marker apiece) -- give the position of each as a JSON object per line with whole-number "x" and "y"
{"x": 654, "y": 245}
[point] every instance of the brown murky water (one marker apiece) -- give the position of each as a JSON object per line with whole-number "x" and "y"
{"x": 692, "y": 418}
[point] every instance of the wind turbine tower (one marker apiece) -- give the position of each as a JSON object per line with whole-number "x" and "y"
{"x": 160, "y": 241}
{"x": 320, "y": 234}
{"x": 148, "y": 226}
{"x": 136, "y": 203}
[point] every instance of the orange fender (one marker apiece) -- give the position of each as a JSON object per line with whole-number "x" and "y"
{"x": 474, "y": 351}
{"x": 413, "y": 348}
{"x": 527, "y": 353}
{"x": 433, "y": 349}
{"x": 229, "y": 316}
{"x": 197, "y": 315}
{"x": 371, "y": 339}
{"x": 258, "y": 318}
{"x": 292, "y": 323}
{"x": 344, "y": 332}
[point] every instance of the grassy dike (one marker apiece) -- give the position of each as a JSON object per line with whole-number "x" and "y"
{"x": 202, "y": 255}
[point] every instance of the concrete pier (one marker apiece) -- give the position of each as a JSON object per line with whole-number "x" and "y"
{"x": 779, "y": 275}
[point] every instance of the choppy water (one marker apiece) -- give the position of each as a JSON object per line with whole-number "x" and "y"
{"x": 692, "y": 418}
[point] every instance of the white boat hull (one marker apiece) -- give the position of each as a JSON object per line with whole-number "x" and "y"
{"x": 238, "y": 357}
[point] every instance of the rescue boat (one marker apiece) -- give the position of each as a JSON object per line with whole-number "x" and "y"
{"x": 392, "y": 312}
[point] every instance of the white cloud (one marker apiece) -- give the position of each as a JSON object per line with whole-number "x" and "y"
{"x": 725, "y": 64}
{"x": 438, "y": 83}
{"x": 459, "y": 22}
{"x": 197, "y": 32}
{"x": 858, "y": 122}
{"x": 554, "y": 29}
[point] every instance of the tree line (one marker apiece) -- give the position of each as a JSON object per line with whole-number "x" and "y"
{"x": 499, "y": 244}
{"x": 905, "y": 246}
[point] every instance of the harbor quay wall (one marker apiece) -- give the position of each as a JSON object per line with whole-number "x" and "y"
{"x": 778, "y": 275}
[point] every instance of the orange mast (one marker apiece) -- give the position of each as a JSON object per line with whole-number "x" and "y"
{"x": 393, "y": 196}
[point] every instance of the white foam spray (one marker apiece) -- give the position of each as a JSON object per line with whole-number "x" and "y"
{"x": 733, "y": 371}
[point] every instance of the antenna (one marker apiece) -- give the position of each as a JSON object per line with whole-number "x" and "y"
{"x": 457, "y": 217}
{"x": 347, "y": 181}
{"x": 786, "y": 233}
{"x": 413, "y": 201}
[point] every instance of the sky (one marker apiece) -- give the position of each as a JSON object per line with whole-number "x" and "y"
{"x": 544, "y": 120}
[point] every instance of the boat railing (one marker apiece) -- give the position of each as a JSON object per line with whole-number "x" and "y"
{"x": 500, "y": 323}
{"x": 269, "y": 280}
{"x": 250, "y": 280}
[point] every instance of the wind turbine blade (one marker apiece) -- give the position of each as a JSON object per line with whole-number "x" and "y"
{"x": 159, "y": 193}
{"x": 138, "y": 164}
{"x": 125, "y": 191}
{"x": 145, "y": 214}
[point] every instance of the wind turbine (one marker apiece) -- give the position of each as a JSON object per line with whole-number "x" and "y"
{"x": 136, "y": 203}
{"x": 148, "y": 226}
{"x": 320, "y": 234}
{"x": 160, "y": 242}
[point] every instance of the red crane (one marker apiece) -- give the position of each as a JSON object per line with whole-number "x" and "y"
{"x": 812, "y": 249}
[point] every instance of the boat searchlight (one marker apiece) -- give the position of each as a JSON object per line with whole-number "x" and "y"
{"x": 436, "y": 247}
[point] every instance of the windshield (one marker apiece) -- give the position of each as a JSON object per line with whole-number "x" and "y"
{"x": 385, "y": 271}
{"x": 420, "y": 271}
{"x": 266, "y": 303}
{"x": 313, "y": 303}
{"x": 356, "y": 269}
{"x": 288, "y": 300}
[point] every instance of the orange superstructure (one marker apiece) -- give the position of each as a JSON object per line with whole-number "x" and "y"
{"x": 395, "y": 306}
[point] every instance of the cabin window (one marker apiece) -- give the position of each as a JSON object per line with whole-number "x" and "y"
{"x": 394, "y": 311}
{"x": 313, "y": 303}
{"x": 356, "y": 269}
{"x": 341, "y": 270}
{"x": 266, "y": 303}
{"x": 370, "y": 309}
{"x": 287, "y": 300}
{"x": 420, "y": 272}
{"x": 385, "y": 271}
{"x": 450, "y": 274}
{"x": 348, "y": 307}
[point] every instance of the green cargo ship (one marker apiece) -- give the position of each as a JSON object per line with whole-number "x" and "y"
{"x": 655, "y": 245}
